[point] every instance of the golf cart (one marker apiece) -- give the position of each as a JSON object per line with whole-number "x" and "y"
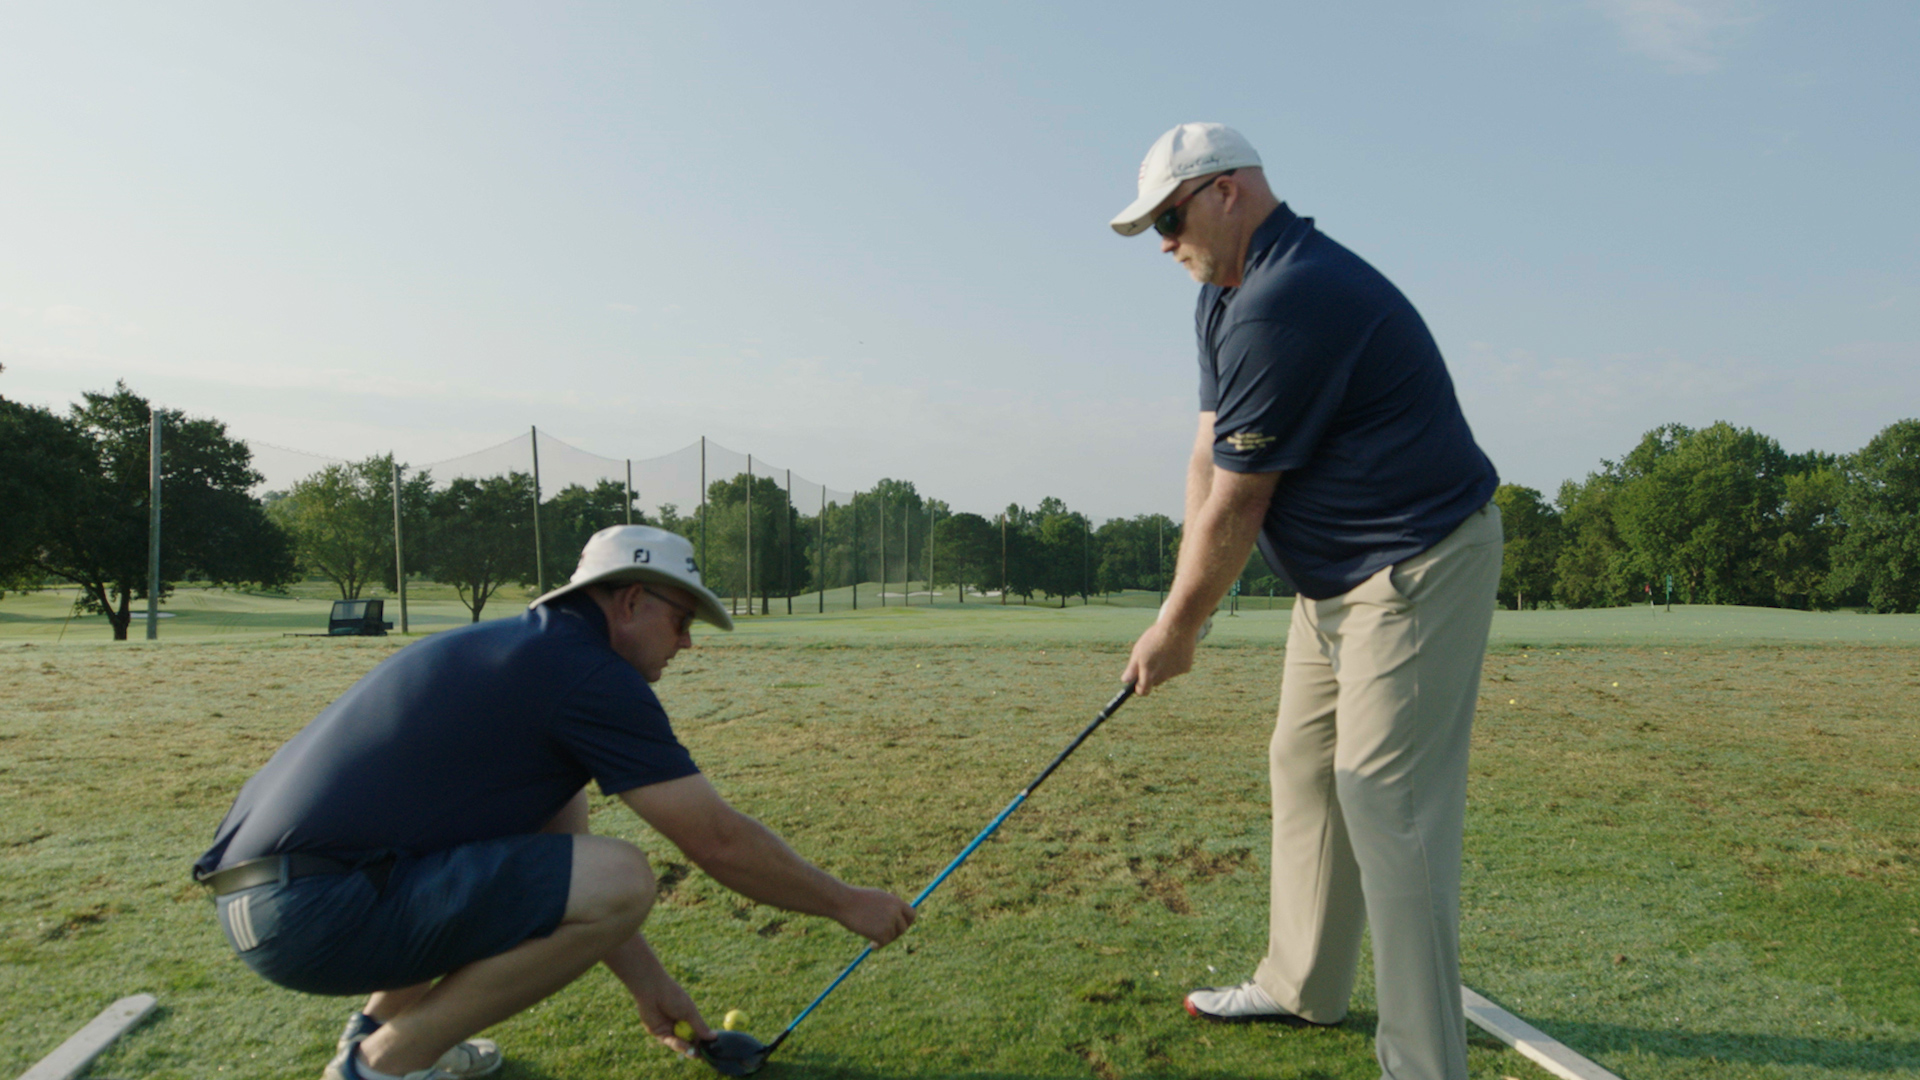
{"x": 358, "y": 618}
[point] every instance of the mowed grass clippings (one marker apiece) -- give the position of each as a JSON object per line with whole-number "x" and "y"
{"x": 1706, "y": 870}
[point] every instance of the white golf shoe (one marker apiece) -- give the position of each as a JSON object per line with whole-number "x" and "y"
{"x": 475, "y": 1057}
{"x": 1243, "y": 1004}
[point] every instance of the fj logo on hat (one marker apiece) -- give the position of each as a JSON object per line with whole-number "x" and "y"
{"x": 1249, "y": 441}
{"x": 642, "y": 555}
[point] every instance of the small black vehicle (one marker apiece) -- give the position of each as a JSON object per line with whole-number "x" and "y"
{"x": 361, "y": 618}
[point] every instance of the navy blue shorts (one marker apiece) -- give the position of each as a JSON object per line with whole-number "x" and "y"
{"x": 340, "y": 934}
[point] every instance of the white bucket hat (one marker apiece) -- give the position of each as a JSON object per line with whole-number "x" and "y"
{"x": 1187, "y": 151}
{"x": 624, "y": 554}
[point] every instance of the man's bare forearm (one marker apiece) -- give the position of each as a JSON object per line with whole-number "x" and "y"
{"x": 1215, "y": 544}
{"x": 1199, "y": 471}
{"x": 752, "y": 861}
{"x": 634, "y": 963}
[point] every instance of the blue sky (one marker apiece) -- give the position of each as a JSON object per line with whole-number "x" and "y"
{"x": 870, "y": 240}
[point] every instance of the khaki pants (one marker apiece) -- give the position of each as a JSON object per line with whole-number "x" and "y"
{"x": 1369, "y": 772}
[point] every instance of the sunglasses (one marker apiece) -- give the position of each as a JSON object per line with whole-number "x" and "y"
{"x": 686, "y": 613}
{"x": 1167, "y": 223}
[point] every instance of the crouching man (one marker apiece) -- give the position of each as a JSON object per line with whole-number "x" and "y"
{"x": 425, "y": 840}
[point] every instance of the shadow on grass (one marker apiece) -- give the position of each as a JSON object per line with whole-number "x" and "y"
{"x": 1866, "y": 1055}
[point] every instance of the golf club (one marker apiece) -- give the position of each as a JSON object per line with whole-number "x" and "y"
{"x": 734, "y": 1053}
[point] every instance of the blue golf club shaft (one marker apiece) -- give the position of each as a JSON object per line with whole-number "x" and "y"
{"x": 1112, "y": 707}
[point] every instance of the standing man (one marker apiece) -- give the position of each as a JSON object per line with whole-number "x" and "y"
{"x": 1329, "y": 435}
{"x": 425, "y": 838}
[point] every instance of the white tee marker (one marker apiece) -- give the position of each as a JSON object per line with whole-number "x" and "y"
{"x": 74, "y": 1055}
{"x": 1543, "y": 1049}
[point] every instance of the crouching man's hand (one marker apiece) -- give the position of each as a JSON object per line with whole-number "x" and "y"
{"x": 875, "y": 914}
{"x": 661, "y": 1001}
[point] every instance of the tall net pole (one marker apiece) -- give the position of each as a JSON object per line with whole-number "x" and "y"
{"x": 906, "y": 554}
{"x": 853, "y": 518}
{"x": 1003, "y": 560}
{"x": 1160, "y": 556}
{"x": 539, "y": 560}
{"x": 786, "y": 526}
{"x": 399, "y": 558}
{"x": 929, "y": 554}
{"x": 749, "y": 534}
{"x": 882, "y": 518}
{"x": 820, "y": 562}
{"x": 155, "y": 421}
{"x": 703, "y": 502}
{"x": 629, "y": 491}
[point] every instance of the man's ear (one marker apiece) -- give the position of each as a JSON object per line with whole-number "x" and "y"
{"x": 1230, "y": 194}
{"x": 630, "y": 597}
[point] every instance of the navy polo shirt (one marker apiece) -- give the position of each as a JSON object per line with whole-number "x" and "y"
{"x": 1316, "y": 367}
{"x": 472, "y": 734}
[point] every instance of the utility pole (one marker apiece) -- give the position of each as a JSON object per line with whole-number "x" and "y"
{"x": 156, "y": 419}
{"x": 786, "y": 527}
{"x": 539, "y": 559}
{"x": 749, "y": 534}
{"x": 703, "y": 504}
{"x": 399, "y": 558}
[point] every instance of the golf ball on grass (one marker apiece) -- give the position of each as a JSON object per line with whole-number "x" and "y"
{"x": 735, "y": 1020}
{"x": 683, "y": 1029}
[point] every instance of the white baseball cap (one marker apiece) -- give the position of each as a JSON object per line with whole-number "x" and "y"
{"x": 1187, "y": 151}
{"x": 624, "y": 554}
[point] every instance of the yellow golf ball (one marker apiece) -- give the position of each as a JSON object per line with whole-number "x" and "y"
{"x": 683, "y": 1029}
{"x": 735, "y": 1020}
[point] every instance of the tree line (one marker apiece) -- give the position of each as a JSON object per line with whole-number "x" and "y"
{"x": 1723, "y": 515}
{"x": 74, "y": 508}
{"x": 1729, "y": 515}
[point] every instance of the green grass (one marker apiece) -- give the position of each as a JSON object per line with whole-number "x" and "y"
{"x": 1706, "y": 870}
{"x": 200, "y": 614}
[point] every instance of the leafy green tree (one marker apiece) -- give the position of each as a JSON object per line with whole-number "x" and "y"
{"x": 1023, "y": 564}
{"x": 212, "y": 529}
{"x": 969, "y": 552}
{"x": 775, "y": 524}
{"x": 571, "y": 517}
{"x": 1706, "y": 507}
{"x": 1588, "y": 571}
{"x": 898, "y": 508}
{"x": 1062, "y": 551}
{"x": 480, "y": 537}
{"x": 1532, "y": 549}
{"x": 1879, "y": 555}
{"x": 341, "y": 521}
{"x": 1131, "y": 555}
{"x": 1810, "y": 527}
{"x": 43, "y": 465}
{"x": 830, "y": 547}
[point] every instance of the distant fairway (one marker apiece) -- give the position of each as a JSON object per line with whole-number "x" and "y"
{"x": 1691, "y": 844}
{"x": 217, "y": 614}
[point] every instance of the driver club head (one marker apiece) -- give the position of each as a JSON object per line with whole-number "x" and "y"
{"x": 733, "y": 1053}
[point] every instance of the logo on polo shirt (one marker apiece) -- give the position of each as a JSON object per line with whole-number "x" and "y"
{"x": 1248, "y": 441}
